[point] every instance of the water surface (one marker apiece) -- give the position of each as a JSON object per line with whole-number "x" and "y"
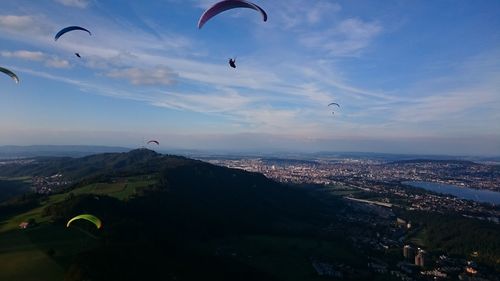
{"x": 477, "y": 195}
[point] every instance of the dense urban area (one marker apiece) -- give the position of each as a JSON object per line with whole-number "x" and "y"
{"x": 378, "y": 193}
{"x": 322, "y": 171}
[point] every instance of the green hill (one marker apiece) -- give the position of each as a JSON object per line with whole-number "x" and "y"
{"x": 165, "y": 218}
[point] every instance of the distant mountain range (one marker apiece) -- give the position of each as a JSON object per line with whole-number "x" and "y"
{"x": 420, "y": 161}
{"x": 13, "y": 151}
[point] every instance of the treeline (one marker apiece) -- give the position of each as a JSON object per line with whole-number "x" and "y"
{"x": 456, "y": 235}
{"x": 20, "y": 204}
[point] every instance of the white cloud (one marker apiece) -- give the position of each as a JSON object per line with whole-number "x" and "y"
{"x": 57, "y": 63}
{"x": 347, "y": 38}
{"x": 203, "y": 4}
{"x": 50, "y": 61}
{"x": 145, "y": 76}
{"x": 446, "y": 106}
{"x": 74, "y": 3}
{"x": 23, "y": 54}
{"x": 222, "y": 101}
{"x": 319, "y": 10}
{"x": 16, "y": 23}
{"x": 292, "y": 14}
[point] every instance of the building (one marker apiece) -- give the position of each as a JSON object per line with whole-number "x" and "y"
{"x": 420, "y": 257}
{"x": 409, "y": 252}
{"x": 24, "y": 225}
{"x": 401, "y": 222}
{"x": 471, "y": 270}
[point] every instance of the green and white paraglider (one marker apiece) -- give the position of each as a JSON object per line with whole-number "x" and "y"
{"x": 91, "y": 218}
{"x": 10, "y": 73}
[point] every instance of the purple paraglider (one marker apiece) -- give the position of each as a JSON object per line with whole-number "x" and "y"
{"x": 227, "y": 5}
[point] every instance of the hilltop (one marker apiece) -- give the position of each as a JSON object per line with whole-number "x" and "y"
{"x": 156, "y": 211}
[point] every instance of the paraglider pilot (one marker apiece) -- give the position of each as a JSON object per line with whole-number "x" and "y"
{"x": 232, "y": 62}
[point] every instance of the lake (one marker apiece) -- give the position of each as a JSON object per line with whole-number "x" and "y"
{"x": 477, "y": 195}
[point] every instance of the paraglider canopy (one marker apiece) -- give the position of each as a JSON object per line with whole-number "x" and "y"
{"x": 334, "y": 103}
{"x": 154, "y": 141}
{"x": 68, "y": 29}
{"x": 91, "y": 218}
{"x": 11, "y": 74}
{"x": 227, "y": 5}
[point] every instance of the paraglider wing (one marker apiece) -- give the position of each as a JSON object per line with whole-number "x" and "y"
{"x": 154, "y": 141}
{"x": 227, "y": 5}
{"x": 232, "y": 63}
{"x": 93, "y": 219}
{"x": 10, "y": 73}
{"x": 334, "y": 103}
{"x": 68, "y": 29}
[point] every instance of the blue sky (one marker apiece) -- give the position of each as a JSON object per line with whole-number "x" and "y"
{"x": 411, "y": 76}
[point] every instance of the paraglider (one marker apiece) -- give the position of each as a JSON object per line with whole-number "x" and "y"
{"x": 11, "y": 74}
{"x": 227, "y": 5}
{"x": 154, "y": 141}
{"x": 93, "y": 219}
{"x": 78, "y": 55}
{"x": 68, "y": 29}
{"x": 334, "y": 103}
{"x": 232, "y": 62}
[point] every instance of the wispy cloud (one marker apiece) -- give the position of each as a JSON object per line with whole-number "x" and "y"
{"x": 82, "y": 4}
{"x": 57, "y": 63}
{"x": 320, "y": 10}
{"x": 23, "y": 54}
{"x": 49, "y": 60}
{"x": 15, "y": 22}
{"x": 160, "y": 75}
{"x": 448, "y": 105}
{"x": 348, "y": 38}
{"x": 295, "y": 14}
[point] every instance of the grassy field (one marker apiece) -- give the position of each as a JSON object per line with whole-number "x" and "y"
{"x": 44, "y": 252}
{"x": 40, "y": 253}
{"x": 340, "y": 190}
{"x": 122, "y": 189}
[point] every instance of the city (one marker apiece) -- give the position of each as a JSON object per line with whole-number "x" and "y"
{"x": 378, "y": 201}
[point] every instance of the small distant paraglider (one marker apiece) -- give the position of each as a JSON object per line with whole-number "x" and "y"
{"x": 91, "y": 218}
{"x": 154, "y": 141}
{"x": 225, "y": 5}
{"x": 232, "y": 62}
{"x": 68, "y": 29}
{"x": 10, "y": 73}
{"x": 334, "y": 103}
{"x": 78, "y": 55}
